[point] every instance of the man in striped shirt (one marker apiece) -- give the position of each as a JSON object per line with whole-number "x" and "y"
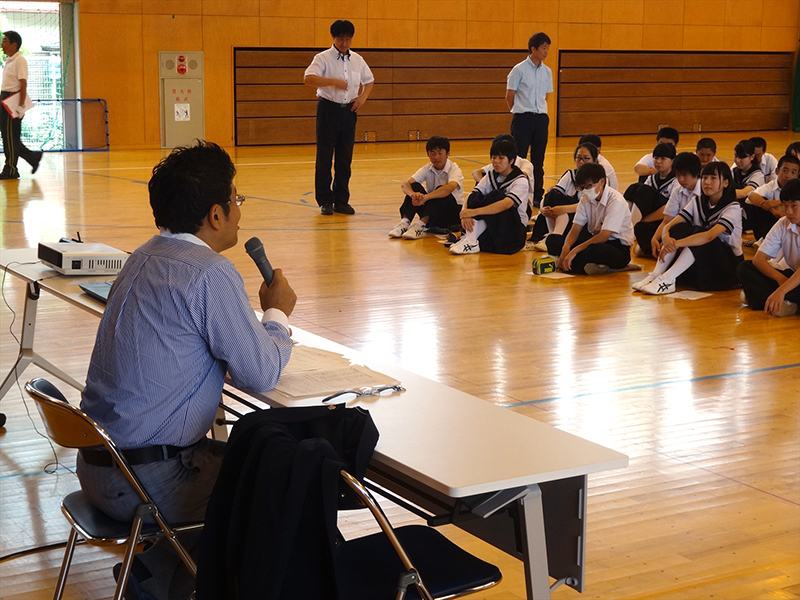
{"x": 177, "y": 321}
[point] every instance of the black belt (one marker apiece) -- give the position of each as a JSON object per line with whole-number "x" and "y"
{"x": 338, "y": 104}
{"x": 100, "y": 457}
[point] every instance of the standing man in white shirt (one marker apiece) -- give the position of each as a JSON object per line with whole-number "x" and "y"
{"x": 15, "y": 80}
{"x": 344, "y": 82}
{"x": 527, "y": 88}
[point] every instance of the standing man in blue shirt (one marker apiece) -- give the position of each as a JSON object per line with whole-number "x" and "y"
{"x": 178, "y": 320}
{"x": 344, "y": 82}
{"x": 528, "y": 86}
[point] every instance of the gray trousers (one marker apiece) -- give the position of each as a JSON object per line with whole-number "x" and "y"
{"x": 180, "y": 487}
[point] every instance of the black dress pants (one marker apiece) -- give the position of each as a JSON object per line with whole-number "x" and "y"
{"x": 13, "y": 148}
{"x": 336, "y": 134}
{"x": 530, "y": 131}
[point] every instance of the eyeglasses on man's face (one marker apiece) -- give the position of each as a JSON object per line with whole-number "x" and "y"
{"x": 238, "y": 199}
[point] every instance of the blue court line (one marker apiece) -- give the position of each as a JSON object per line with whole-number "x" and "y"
{"x": 61, "y": 470}
{"x": 651, "y": 385}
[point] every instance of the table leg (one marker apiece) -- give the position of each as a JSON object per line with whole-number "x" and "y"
{"x": 534, "y": 545}
{"x": 26, "y": 354}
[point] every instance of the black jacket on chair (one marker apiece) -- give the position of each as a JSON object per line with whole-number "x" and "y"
{"x": 271, "y": 519}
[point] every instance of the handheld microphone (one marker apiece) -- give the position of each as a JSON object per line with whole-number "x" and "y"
{"x": 255, "y": 249}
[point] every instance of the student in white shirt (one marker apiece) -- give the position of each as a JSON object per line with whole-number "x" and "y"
{"x": 495, "y": 217}
{"x": 702, "y": 246}
{"x": 611, "y": 174}
{"x": 435, "y": 193}
{"x": 644, "y": 168}
{"x": 763, "y": 207}
{"x": 706, "y": 151}
{"x": 524, "y": 165}
{"x": 776, "y": 291}
{"x": 767, "y": 162}
{"x": 601, "y": 234}
{"x": 747, "y": 175}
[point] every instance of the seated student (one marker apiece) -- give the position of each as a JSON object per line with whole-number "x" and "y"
{"x": 687, "y": 173}
{"x": 747, "y": 175}
{"x": 561, "y": 201}
{"x": 435, "y": 193}
{"x": 611, "y": 174}
{"x": 706, "y": 151}
{"x": 763, "y": 207}
{"x": 702, "y": 246}
{"x": 495, "y": 217}
{"x": 767, "y": 162}
{"x": 601, "y": 234}
{"x": 644, "y": 168}
{"x": 647, "y": 199}
{"x": 793, "y": 149}
{"x": 764, "y": 287}
{"x": 523, "y": 163}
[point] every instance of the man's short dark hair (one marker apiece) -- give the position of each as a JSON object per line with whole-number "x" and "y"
{"x": 788, "y": 158}
{"x": 687, "y": 163}
{"x": 744, "y": 149}
{"x": 706, "y": 144}
{"x": 14, "y": 38}
{"x": 342, "y": 28}
{"x": 187, "y": 183}
{"x": 537, "y": 39}
{"x": 589, "y": 173}
{"x": 759, "y": 142}
{"x": 591, "y": 138}
{"x": 437, "y": 142}
{"x": 664, "y": 150}
{"x": 670, "y": 133}
{"x": 791, "y": 191}
{"x": 505, "y": 148}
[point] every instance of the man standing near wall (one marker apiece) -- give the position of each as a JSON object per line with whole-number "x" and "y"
{"x": 528, "y": 86}
{"x": 344, "y": 82}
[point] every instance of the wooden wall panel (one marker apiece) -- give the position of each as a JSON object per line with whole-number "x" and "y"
{"x": 637, "y": 92}
{"x": 418, "y": 93}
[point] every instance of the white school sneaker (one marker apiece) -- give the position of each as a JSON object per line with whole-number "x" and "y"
{"x": 643, "y": 282}
{"x": 659, "y": 286}
{"x": 463, "y": 246}
{"x": 415, "y": 232}
{"x": 399, "y": 230}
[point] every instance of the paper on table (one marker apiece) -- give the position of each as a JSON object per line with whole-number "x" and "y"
{"x": 12, "y": 106}
{"x": 305, "y": 358}
{"x": 327, "y": 381}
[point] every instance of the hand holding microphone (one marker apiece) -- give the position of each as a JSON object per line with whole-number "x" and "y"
{"x": 275, "y": 292}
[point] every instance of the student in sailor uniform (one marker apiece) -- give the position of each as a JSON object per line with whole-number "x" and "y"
{"x": 601, "y": 234}
{"x": 524, "y": 165}
{"x": 793, "y": 149}
{"x": 747, "y": 174}
{"x": 767, "y": 162}
{"x": 776, "y": 290}
{"x": 435, "y": 193}
{"x": 495, "y": 218}
{"x": 611, "y": 174}
{"x": 702, "y": 246}
{"x": 644, "y": 168}
{"x": 687, "y": 173}
{"x": 706, "y": 151}
{"x": 561, "y": 202}
{"x": 763, "y": 207}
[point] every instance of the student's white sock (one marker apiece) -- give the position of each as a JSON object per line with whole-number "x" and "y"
{"x": 560, "y": 224}
{"x": 405, "y": 222}
{"x": 477, "y": 230}
{"x": 551, "y": 224}
{"x": 685, "y": 260}
{"x": 636, "y": 215}
{"x": 663, "y": 265}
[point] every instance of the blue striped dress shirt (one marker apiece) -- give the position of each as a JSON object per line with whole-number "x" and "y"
{"x": 177, "y": 320}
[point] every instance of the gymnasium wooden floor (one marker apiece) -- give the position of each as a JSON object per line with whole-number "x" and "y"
{"x": 702, "y": 395}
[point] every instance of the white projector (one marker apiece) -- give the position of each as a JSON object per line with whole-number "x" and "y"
{"x": 82, "y": 259}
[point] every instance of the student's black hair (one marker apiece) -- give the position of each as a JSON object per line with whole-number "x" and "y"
{"x": 759, "y": 142}
{"x": 187, "y": 183}
{"x": 437, "y": 142}
{"x": 589, "y": 173}
{"x": 14, "y": 38}
{"x": 794, "y": 147}
{"x": 744, "y": 149}
{"x": 664, "y": 150}
{"x": 342, "y": 28}
{"x": 723, "y": 171}
{"x": 505, "y": 148}
{"x": 791, "y": 191}
{"x": 706, "y": 143}
{"x": 504, "y": 136}
{"x": 592, "y": 138}
{"x": 537, "y": 39}
{"x": 788, "y": 158}
{"x": 590, "y": 147}
{"x": 687, "y": 163}
{"x": 670, "y": 133}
